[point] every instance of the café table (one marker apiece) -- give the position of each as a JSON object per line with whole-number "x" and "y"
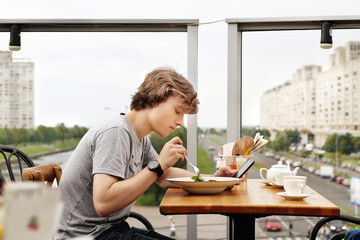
{"x": 244, "y": 203}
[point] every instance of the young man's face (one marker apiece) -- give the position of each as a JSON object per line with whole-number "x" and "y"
{"x": 168, "y": 115}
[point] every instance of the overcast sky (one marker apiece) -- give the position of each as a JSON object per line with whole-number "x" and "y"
{"x": 78, "y": 75}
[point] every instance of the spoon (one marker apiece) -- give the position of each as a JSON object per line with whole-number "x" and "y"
{"x": 196, "y": 169}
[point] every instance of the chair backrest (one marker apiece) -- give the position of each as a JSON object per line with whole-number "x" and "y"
{"x": 13, "y": 163}
{"x": 46, "y": 173}
{"x": 325, "y": 220}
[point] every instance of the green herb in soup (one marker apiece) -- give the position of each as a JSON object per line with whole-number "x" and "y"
{"x": 197, "y": 179}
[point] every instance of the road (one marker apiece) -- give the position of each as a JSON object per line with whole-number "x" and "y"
{"x": 338, "y": 194}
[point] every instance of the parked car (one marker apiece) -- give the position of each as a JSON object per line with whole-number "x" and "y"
{"x": 346, "y": 182}
{"x": 352, "y": 167}
{"x": 272, "y": 223}
{"x": 340, "y": 180}
{"x": 325, "y": 160}
{"x": 211, "y": 148}
{"x": 334, "y": 177}
{"x": 296, "y": 164}
{"x": 345, "y": 165}
{"x": 327, "y": 171}
{"x": 311, "y": 169}
{"x": 269, "y": 154}
{"x": 337, "y": 226}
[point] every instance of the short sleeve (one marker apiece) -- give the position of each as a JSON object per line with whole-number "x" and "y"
{"x": 149, "y": 152}
{"x": 110, "y": 152}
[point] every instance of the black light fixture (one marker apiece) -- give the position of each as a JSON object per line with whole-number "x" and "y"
{"x": 15, "y": 44}
{"x": 326, "y": 35}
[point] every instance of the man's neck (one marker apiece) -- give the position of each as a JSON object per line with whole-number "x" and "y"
{"x": 139, "y": 121}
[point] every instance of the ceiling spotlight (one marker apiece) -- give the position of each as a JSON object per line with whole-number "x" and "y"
{"x": 15, "y": 44}
{"x": 326, "y": 35}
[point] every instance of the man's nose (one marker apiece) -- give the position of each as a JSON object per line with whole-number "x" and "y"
{"x": 180, "y": 122}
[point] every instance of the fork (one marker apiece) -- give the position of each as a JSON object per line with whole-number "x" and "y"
{"x": 196, "y": 169}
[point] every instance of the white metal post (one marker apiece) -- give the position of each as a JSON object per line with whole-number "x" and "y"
{"x": 233, "y": 131}
{"x": 192, "y": 124}
{"x": 234, "y": 83}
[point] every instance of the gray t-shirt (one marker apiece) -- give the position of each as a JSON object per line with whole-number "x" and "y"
{"x": 112, "y": 148}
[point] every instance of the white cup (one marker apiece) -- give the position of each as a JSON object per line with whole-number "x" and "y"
{"x": 279, "y": 177}
{"x": 294, "y": 187}
{"x": 302, "y": 178}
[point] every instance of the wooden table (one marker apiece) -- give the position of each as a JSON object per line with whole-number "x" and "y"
{"x": 244, "y": 203}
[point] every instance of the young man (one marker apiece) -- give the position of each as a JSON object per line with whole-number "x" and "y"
{"x": 115, "y": 163}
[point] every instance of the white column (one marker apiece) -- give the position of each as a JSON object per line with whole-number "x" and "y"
{"x": 233, "y": 89}
{"x": 234, "y": 83}
{"x": 192, "y": 124}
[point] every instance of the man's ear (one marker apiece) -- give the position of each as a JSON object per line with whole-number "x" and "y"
{"x": 154, "y": 105}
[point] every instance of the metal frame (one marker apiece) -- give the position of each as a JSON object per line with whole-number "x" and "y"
{"x": 131, "y": 25}
{"x": 99, "y": 25}
{"x": 235, "y": 28}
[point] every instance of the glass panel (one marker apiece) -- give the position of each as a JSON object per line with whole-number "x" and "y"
{"x": 82, "y": 78}
{"x": 289, "y": 82}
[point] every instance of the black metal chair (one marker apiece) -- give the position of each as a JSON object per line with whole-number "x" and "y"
{"x": 16, "y": 160}
{"x": 325, "y": 220}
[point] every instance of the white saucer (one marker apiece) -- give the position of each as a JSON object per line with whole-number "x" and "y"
{"x": 293, "y": 197}
{"x": 267, "y": 183}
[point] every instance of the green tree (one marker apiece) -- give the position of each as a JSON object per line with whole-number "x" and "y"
{"x": 15, "y": 137}
{"x": 213, "y": 131}
{"x": 78, "y": 132}
{"x": 329, "y": 145}
{"x": 44, "y": 134}
{"x": 293, "y": 136}
{"x": 4, "y": 136}
{"x": 19, "y": 135}
{"x": 345, "y": 144}
{"x": 9, "y": 135}
{"x": 200, "y": 130}
{"x": 281, "y": 143}
{"x": 223, "y": 131}
{"x": 25, "y": 135}
{"x": 356, "y": 143}
{"x": 62, "y": 131}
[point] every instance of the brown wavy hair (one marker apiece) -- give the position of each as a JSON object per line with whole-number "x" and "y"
{"x": 159, "y": 85}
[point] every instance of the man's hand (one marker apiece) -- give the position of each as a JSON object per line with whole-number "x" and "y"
{"x": 172, "y": 151}
{"x": 224, "y": 171}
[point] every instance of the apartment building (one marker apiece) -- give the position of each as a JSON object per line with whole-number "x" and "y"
{"x": 16, "y": 92}
{"x": 316, "y": 102}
